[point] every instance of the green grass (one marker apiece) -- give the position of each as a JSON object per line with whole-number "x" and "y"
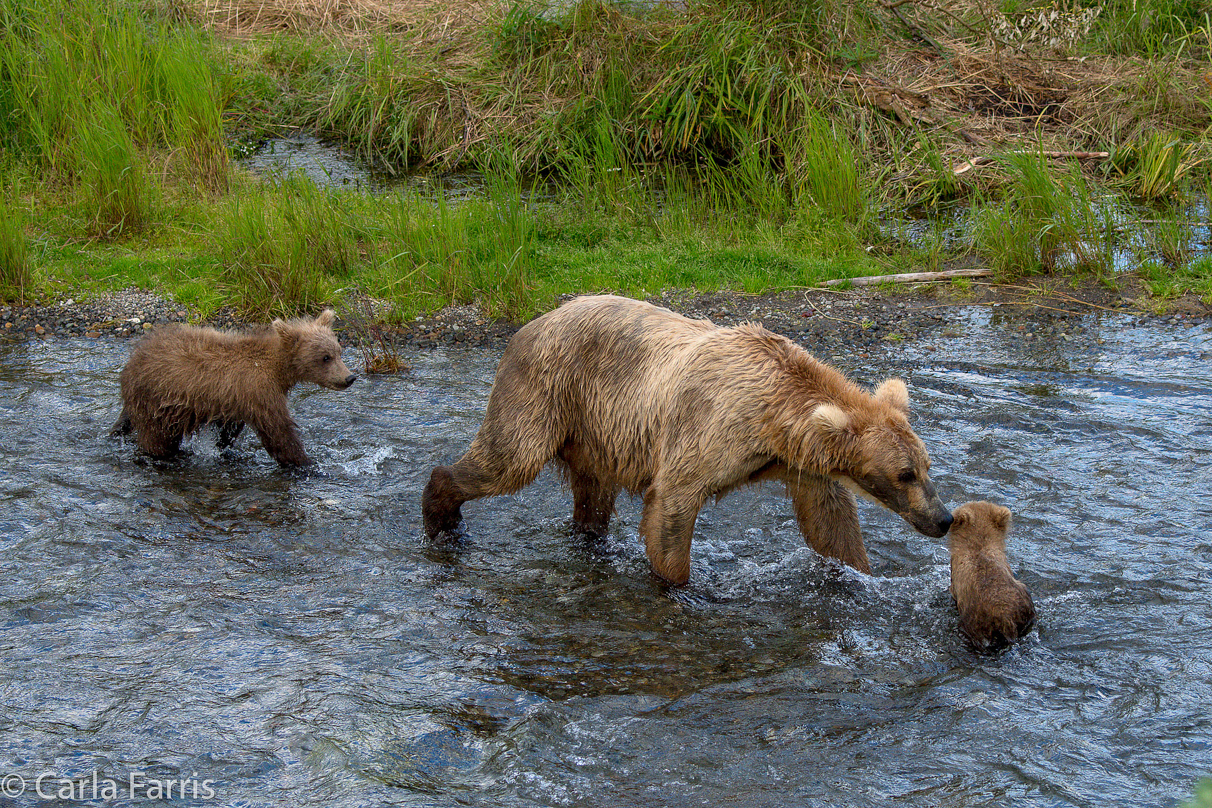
{"x": 16, "y": 265}
{"x": 628, "y": 148}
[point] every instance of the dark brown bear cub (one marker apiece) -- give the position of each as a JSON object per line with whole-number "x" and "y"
{"x": 180, "y": 378}
{"x": 995, "y": 609}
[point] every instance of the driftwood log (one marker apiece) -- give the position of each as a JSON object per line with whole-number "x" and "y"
{"x": 910, "y": 277}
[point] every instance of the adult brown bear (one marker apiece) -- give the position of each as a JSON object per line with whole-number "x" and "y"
{"x": 180, "y": 378}
{"x": 627, "y": 395}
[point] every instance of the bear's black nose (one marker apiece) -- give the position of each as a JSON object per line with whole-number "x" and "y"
{"x": 944, "y": 524}
{"x": 351, "y": 378}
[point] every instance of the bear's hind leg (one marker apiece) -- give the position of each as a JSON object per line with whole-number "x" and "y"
{"x": 828, "y": 518}
{"x": 668, "y": 527}
{"x": 592, "y": 504}
{"x": 592, "y": 498}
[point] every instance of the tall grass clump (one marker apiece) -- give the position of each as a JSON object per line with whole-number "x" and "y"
{"x": 16, "y": 266}
{"x": 74, "y": 73}
{"x": 117, "y": 195}
{"x": 395, "y": 109}
{"x": 1155, "y": 168}
{"x": 286, "y": 247}
{"x": 478, "y": 251}
{"x": 1045, "y": 221}
{"x": 1149, "y": 28}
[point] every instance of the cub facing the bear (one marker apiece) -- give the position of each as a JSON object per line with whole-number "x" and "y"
{"x": 995, "y": 609}
{"x": 180, "y": 378}
{"x": 625, "y": 395}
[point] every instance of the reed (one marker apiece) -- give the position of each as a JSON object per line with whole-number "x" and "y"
{"x": 286, "y": 247}
{"x": 16, "y": 264}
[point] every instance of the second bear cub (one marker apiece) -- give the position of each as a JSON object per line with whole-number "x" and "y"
{"x": 994, "y": 608}
{"x": 180, "y": 378}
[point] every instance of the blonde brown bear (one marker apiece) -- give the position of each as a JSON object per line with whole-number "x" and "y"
{"x": 626, "y": 395}
{"x": 180, "y": 378}
{"x": 994, "y": 608}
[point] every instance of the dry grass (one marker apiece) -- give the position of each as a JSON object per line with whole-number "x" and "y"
{"x": 345, "y": 17}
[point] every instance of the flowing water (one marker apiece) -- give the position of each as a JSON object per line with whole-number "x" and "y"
{"x": 270, "y": 638}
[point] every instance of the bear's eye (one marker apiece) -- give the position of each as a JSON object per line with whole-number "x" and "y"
{"x": 327, "y": 357}
{"x": 907, "y": 476}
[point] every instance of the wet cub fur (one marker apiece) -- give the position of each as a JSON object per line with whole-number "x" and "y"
{"x": 994, "y": 608}
{"x": 180, "y": 378}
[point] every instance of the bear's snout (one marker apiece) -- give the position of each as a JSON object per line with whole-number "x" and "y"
{"x": 351, "y": 378}
{"x": 944, "y": 524}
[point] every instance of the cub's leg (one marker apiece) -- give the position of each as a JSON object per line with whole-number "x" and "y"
{"x": 278, "y": 435}
{"x": 828, "y": 518}
{"x": 228, "y": 432}
{"x": 158, "y": 441}
{"x": 124, "y": 425}
{"x": 667, "y": 527}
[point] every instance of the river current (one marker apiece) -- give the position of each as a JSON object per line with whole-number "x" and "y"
{"x": 291, "y": 639}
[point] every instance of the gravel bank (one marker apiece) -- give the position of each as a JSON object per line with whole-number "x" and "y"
{"x": 827, "y": 320}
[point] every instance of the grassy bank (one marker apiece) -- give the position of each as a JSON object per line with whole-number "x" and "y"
{"x": 721, "y": 144}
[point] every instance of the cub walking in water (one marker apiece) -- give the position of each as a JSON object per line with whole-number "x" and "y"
{"x": 180, "y": 378}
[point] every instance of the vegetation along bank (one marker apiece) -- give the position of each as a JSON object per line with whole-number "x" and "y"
{"x": 730, "y": 147}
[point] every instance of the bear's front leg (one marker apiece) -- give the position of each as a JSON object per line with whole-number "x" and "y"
{"x": 828, "y": 518}
{"x": 441, "y": 503}
{"x": 278, "y": 435}
{"x": 667, "y": 526}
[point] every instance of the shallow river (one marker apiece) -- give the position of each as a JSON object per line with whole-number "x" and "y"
{"x": 289, "y": 639}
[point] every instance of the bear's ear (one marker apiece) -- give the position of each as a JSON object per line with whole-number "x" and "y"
{"x": 829, "y": 418}
{"x": 326, "y": 318}
{"x": 283, "y": 330}
{"x": 1001, "y": 518}
{"x": 959, "y": 517}
{"x": 894, "y": 393}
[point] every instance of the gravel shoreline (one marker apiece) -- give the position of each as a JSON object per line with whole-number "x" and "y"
{"x": 856, "y": 318}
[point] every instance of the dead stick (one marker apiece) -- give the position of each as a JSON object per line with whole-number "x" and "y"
{"x": 968, "y": 165}
{"x": 911, "y": 277}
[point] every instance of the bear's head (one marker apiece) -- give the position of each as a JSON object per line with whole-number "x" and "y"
{"x": 312, "y": 351}
{"x": 871, "y": 448}
{"x": 979, "y": 525}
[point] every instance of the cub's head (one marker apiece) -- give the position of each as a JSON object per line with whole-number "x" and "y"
{"x": 873, "y": 450}
{"x": 979, "y": 525}
{"x": 313, "y": 352}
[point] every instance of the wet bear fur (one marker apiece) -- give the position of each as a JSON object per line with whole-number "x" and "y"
{"x": 626, "y": 395}
{"x": 995, "y": 609}
{"x": 180, "y": 378}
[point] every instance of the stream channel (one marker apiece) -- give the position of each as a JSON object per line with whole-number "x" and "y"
{"x": 290, "y": 638}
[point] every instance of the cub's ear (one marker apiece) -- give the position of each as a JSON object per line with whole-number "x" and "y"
{"x": 326, "y": 318}
{"x": 894, "y": 393}
{"x": 1001, "y": 518}
{"x": 829, "y": 418}
{"x": 283, "y": 330}
{"x": 958, "y": 519}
